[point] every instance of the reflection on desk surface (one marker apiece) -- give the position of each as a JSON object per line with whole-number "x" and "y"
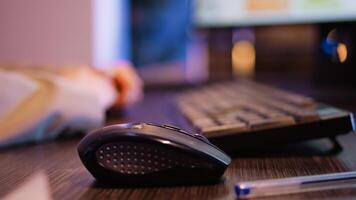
{"x": 34, "y": 187}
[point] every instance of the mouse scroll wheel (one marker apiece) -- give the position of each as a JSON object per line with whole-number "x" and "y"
{"x": 196, "y": 135}
{"x": 201, "y": 137}
{"x": 172, "y": 128}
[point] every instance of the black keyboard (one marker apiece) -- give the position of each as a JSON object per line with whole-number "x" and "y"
{"x": 243, "y": 114}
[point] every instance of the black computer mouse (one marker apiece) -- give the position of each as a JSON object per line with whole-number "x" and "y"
{"x": 151, "y": 154}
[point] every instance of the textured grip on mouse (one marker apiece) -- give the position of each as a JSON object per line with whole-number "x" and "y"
{"x": 132, "y": 158}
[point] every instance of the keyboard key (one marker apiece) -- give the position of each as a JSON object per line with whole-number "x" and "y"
{"x": 203, "y": 122}
{"x": 225, "y": 129}
{"x": 271, "y": 122}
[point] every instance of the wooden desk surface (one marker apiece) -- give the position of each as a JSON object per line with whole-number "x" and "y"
{"x": 69, "y": 179}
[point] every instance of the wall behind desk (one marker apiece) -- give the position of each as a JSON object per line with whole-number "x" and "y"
{"x": 60, "y": 32}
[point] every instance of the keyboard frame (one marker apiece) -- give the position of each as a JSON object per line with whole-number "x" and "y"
{"x": 326, "y": 128}
{"x": 329, "y": 125}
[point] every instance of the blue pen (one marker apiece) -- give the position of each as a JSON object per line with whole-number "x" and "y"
{"x": 245, "y": 190}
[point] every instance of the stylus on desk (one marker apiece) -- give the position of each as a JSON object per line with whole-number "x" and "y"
{"x": 245, "y": 190}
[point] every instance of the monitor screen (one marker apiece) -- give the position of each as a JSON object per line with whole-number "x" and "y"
{"x": 234, "y": 13}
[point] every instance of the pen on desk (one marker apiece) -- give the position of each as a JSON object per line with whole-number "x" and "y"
{"x": 245, "y": 190}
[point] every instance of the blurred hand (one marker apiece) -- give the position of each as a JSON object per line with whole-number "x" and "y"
{"x": 128, "y": 83}
{"x": 121, "y": 77}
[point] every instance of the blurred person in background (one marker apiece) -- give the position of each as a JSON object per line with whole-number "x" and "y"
{"x": 153, "y": 32}
{"x": 154, "y": 37}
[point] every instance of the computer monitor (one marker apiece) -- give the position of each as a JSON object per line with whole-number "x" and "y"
{"x": 234, "y": 13}
{"x": 334, "y": 51}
